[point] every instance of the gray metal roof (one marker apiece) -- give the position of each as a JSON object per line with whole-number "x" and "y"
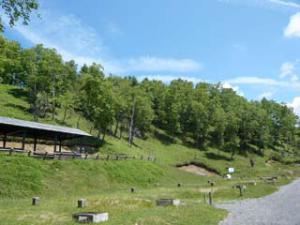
{"x": 42, "y": 126}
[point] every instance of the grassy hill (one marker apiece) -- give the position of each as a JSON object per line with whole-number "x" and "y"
{"x": 107, "y": 184}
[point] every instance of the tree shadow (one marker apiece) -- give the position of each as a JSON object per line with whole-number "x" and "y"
{"x": 19, "y": 107}
{"x": 19, "y": 93}
{"x": 163, "y": 138}
{"x": 214, "y": 156}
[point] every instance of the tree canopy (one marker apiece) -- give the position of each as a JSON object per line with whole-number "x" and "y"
{"x": 202, "y": 114}
{"x": 15, "y": 10}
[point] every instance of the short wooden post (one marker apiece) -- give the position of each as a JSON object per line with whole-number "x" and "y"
{"x": 11, "y": 151}
{"x": 210, "y": 198}
{"x": 97, "y": 157}
{"x": 36, "y": 200}
{"x": 45, "y": 155}
{"x": 107, "y": 158}
{"x": 29, "y": 153}
{"x": 81, "y": 203}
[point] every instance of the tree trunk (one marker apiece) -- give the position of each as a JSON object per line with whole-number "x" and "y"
{"x": 103, "y": 137}
{"x": 121, "y": 131}
{"x": 78, "y": 120}
{"x": 130, "y": 136}
{"x": 116, "y": 128}
{"x": 65, "y": 115}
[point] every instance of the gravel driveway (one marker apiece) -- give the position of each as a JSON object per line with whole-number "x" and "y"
{"x": 279, "y": 208}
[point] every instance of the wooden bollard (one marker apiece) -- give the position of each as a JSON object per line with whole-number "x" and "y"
{"x": 210, "y": 200}
{"x": 29, "y": 154}
{"x": 45, "y": 155}
{"x": 97, "y": 157}
{"x": 11, "y": 151}
{"x": 81, "y": 203}
{"x": 86, "y": 156}
{"x": 59, "y": 156}
{"x": 107, "y": 158}
{"x": 36, "y": 200}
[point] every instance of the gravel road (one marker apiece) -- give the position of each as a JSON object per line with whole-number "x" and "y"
{"x": 279, "y": 208}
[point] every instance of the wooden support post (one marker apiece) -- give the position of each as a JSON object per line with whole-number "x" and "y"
{"x": 59, "y": 144}
{"x": 4, "y": 140}
{"x": 23, "y": 141}
{"x": 34, "y": 144}
{"x": 55, "y": 143}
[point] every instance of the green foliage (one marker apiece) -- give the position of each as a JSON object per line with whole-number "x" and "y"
{"x": 16, "y": 10}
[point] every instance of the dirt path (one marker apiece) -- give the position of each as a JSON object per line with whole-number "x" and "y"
{"x": 279, "y": 208}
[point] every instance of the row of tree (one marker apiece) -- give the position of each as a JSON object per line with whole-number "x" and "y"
{"x": 202, "y": 114}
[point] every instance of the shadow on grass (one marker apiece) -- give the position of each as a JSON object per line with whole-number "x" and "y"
{"x": 163, "y": 138}
{"x": 214, "y": 156}
{"x": 19, "y": 93}
{"x": 19, "y": 107}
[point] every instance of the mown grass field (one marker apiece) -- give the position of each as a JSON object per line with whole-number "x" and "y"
{"x": 106, "y": 184}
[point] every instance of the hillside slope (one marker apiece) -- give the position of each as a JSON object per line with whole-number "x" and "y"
{"x": 107, "y": 184}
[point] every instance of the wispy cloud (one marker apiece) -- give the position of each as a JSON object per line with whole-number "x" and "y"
{"x": 162, "y": 64}
{"x": 293, "y": 28}
{"x": 254, "y": 80}
{"x": 267, "y": 94}
{"x": 288, "y": 70}
{"x": 265, "y": 3}
{"x": 285, "y": 3}
{"x": 75, "y": 40}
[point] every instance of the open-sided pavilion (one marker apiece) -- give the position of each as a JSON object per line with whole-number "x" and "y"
{"x": 22, "y": 129}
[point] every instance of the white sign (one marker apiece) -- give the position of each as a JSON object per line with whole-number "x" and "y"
{"x": 230, "y": 170}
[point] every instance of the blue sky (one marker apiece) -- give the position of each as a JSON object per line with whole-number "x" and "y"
{"x": 252, "y": 46}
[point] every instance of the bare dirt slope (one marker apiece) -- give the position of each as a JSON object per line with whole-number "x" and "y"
{"x": 197, "y": 170}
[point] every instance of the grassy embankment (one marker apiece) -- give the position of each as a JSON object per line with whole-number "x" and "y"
{"x": 106, "y": 184}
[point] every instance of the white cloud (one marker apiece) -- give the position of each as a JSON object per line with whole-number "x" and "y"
{"x": 285, "y": 3}
{"x": 265, "y": 81}
{"x": 293, "y": 28}
{"x": 227, "y": 85}
{"x": 169, "y": 78}
{"x": 264, "y": 3}
{"x": 156, "y": 64}
{"x": 267, "y": 94}
{"x": 75, "y": 40}
{"x": 288, "y": 70}
{"x": 295, "y": 104}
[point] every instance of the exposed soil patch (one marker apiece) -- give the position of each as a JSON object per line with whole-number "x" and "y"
{"x": 198, "y": 170}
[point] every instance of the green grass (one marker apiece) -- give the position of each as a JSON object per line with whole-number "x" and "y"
{"x": 107, "y": 184}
